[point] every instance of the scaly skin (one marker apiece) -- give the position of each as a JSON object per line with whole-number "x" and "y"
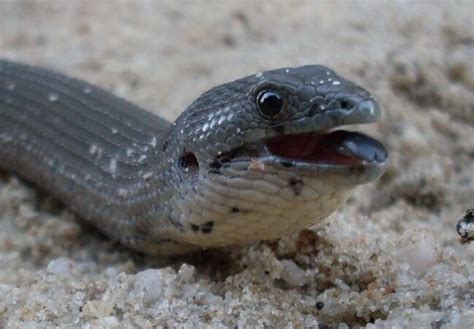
{"x": 207, "y": 180}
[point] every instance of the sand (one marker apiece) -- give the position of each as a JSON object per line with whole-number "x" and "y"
{"x": 390, "y": 258}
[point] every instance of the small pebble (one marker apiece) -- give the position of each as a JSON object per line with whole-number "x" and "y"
{"x": 97, "y": 309}
{"x": 150, "y": 284}
{"x": 292, "y": 274}
{"x": 421, "y": 255}
{"x": 61, "y": 267}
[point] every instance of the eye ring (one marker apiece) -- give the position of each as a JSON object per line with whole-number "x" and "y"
{"x": 269, "y": 103}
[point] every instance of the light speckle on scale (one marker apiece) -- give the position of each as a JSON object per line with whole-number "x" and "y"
{"x": 52, "y": 97}
{"x": 113, "y": 167}
{"x": 336, "y": 83}
{"x": 213, "y": 123}
{"x": 287, "y": 70}
{"x": 93, "y": 149}
{"x": 122, "y": 192}
{"x": 259, "y": 74}
{"x": 87, "y": 90}
{"x": 142, "y": 158}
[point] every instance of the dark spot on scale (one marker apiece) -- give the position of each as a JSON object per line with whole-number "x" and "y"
{"x": 165, "y": 146}
{"x": 207, "y": 227}
{"x": 215, "y": 164}
{"x": 297, "y": 185}
{"x": 204, "y": 228}
{"x": 319, "y": 306}
{"x": 286, "y": 164}
{"x": 214, "y": 167}
{"x": 234, "y": 210}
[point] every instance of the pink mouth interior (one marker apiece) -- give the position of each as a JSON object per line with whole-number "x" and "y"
{"x": 313, "y": 147}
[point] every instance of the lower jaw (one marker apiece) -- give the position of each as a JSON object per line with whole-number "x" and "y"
{"x": 353, "y": 175}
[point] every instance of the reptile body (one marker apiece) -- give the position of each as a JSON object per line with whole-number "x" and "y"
{"x": 253, "y": 159}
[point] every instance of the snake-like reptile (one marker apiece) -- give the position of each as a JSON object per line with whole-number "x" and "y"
{"x": 254, "y": 159}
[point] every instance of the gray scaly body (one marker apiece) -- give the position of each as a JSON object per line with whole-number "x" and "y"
{"x": 252, "y": 159}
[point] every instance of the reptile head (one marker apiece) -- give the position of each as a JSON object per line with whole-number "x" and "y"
{"x": 267, "y": 157}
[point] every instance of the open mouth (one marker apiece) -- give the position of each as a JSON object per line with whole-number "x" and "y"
{"x": 335, "y": 148}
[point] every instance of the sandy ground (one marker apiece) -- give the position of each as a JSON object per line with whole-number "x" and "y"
{"x": 390, "y": 258}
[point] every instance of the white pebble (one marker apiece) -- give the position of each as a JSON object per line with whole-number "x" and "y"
{"x": 61, "y": 267}
{"x": 110, "y": 322}
{"x": 149, "y": 284}
{"x": 292, "y": 274}
{"x": 186, "y": 272}
{"x": 420, "y": 255}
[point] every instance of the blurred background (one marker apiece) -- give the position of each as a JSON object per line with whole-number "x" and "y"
{"x": 415, "y": 57}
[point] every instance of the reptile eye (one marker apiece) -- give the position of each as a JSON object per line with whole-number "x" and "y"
{"x": 270, "y": 103}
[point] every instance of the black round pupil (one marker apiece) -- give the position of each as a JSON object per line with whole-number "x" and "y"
{"x": 270, "y": 103}
{"x": 344, "y": 104}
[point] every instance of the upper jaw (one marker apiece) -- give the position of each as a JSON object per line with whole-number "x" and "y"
{"x": 366, "y": 111}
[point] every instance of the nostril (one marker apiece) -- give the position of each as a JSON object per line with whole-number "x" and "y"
{"x": 188, "y": 161}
